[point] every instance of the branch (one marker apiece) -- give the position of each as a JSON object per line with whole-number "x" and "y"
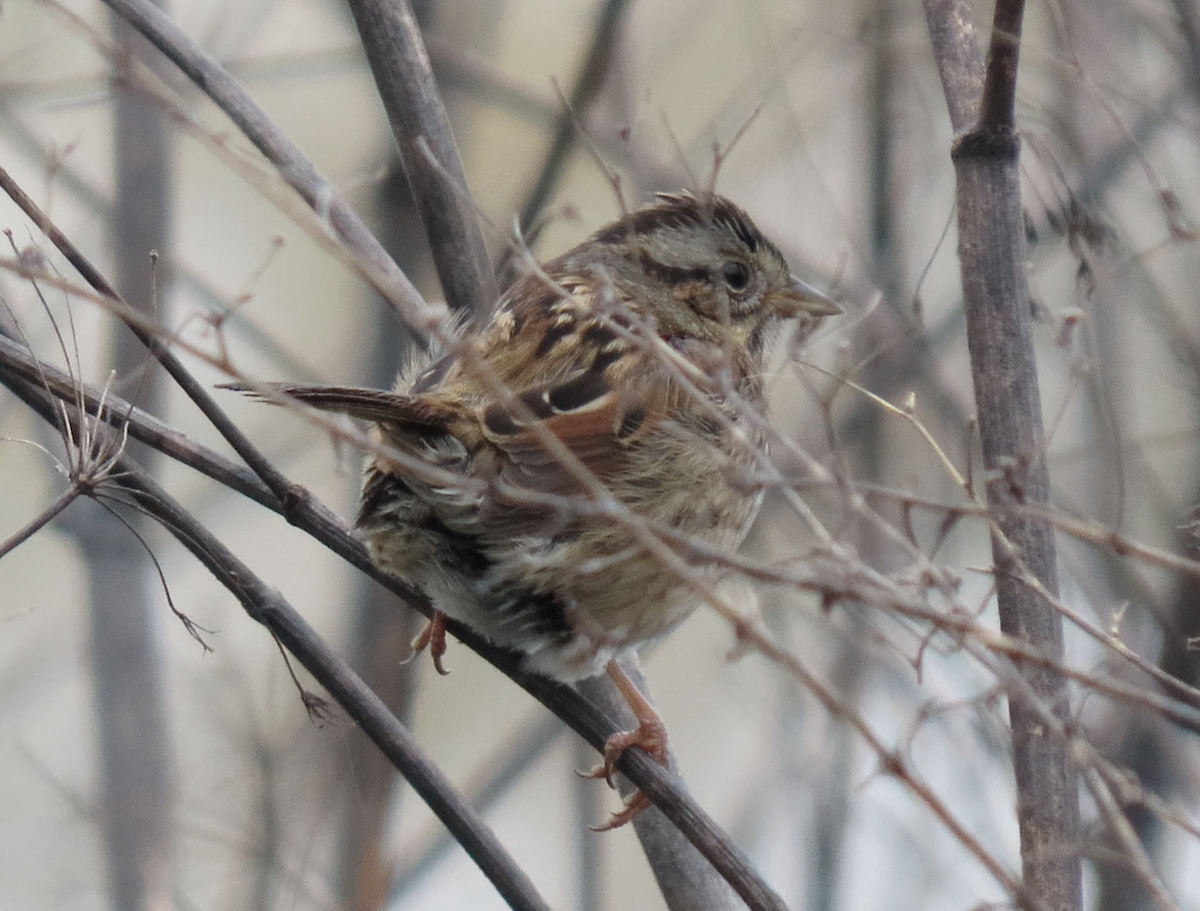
{"x": 266, "y": 606}
{"x": 233, "y": 435}
{"x": 400, "y": 64}
{"x": 1000, "y": 81}
{"x": 292, "y": 165}
{"x": 583, "y": 93}
{"x": 1000, "y": 339}
{"x": 959, "y": 62}
{"x": 20, "y": 372}
{"x": 130, "y": 707}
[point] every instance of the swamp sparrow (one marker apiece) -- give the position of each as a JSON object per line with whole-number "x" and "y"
{"x": 598, "y": 422}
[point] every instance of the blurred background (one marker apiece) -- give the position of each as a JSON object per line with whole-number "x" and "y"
{"x": 137, "y": 770}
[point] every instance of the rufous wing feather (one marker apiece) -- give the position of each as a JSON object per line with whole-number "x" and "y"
{"x": 595, "y": 423}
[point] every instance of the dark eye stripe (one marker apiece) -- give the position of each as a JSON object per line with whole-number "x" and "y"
{"x": 671, "y": 275}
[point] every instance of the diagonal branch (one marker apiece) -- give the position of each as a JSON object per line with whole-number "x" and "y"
{"x": 400, "y": 64}
{"x": 267, "y": 606}
{"x": 292, "y": 165}
{"x": 233, "y": 435}
{"x": 20, "y": 373}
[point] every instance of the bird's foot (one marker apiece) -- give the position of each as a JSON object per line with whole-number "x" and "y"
{"x": 433, "y": 637}
{"x": 650, "y": 735}
{"x": 634, "y": 804}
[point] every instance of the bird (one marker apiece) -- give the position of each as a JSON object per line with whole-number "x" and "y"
{"x": 558, "y": 458}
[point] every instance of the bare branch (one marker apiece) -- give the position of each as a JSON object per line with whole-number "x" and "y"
{"x": 396, "y": 52}
{"x": 580, "y": 714}
{"x": 999, "y": 335}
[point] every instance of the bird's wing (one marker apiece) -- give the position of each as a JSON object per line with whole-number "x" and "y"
{"x": 592, "y": 420}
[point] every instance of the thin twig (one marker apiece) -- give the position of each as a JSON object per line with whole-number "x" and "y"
{"x": 40, "y": 521}
{"x": 600, "y": 55}
{"x": 241, "y": 444}
{"x": 292, "y": 165}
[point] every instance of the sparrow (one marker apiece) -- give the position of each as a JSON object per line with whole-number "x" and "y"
{"x": 608, "y": 411}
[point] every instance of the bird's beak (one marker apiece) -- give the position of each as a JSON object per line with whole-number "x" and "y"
{"x": 801, "y": 299}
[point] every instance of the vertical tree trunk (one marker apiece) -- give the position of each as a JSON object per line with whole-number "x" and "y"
{"x": 991, "y": 234}
{"x": 131, "y": 716}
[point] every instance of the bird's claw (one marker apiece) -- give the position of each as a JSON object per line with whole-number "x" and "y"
{"x": 433, "y": 637}
{"x": 634, "y": 804}
{"x": 652, "y": 738}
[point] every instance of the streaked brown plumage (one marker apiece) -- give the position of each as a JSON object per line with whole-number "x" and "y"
{"x": 638, "y": 351}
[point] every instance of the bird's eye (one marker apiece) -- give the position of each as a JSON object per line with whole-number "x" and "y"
{"x": 736, "y": 275}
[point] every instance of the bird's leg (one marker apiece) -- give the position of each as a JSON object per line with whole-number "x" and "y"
{"x": 433, "y": 637}
{"x": 650, "y": 735}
